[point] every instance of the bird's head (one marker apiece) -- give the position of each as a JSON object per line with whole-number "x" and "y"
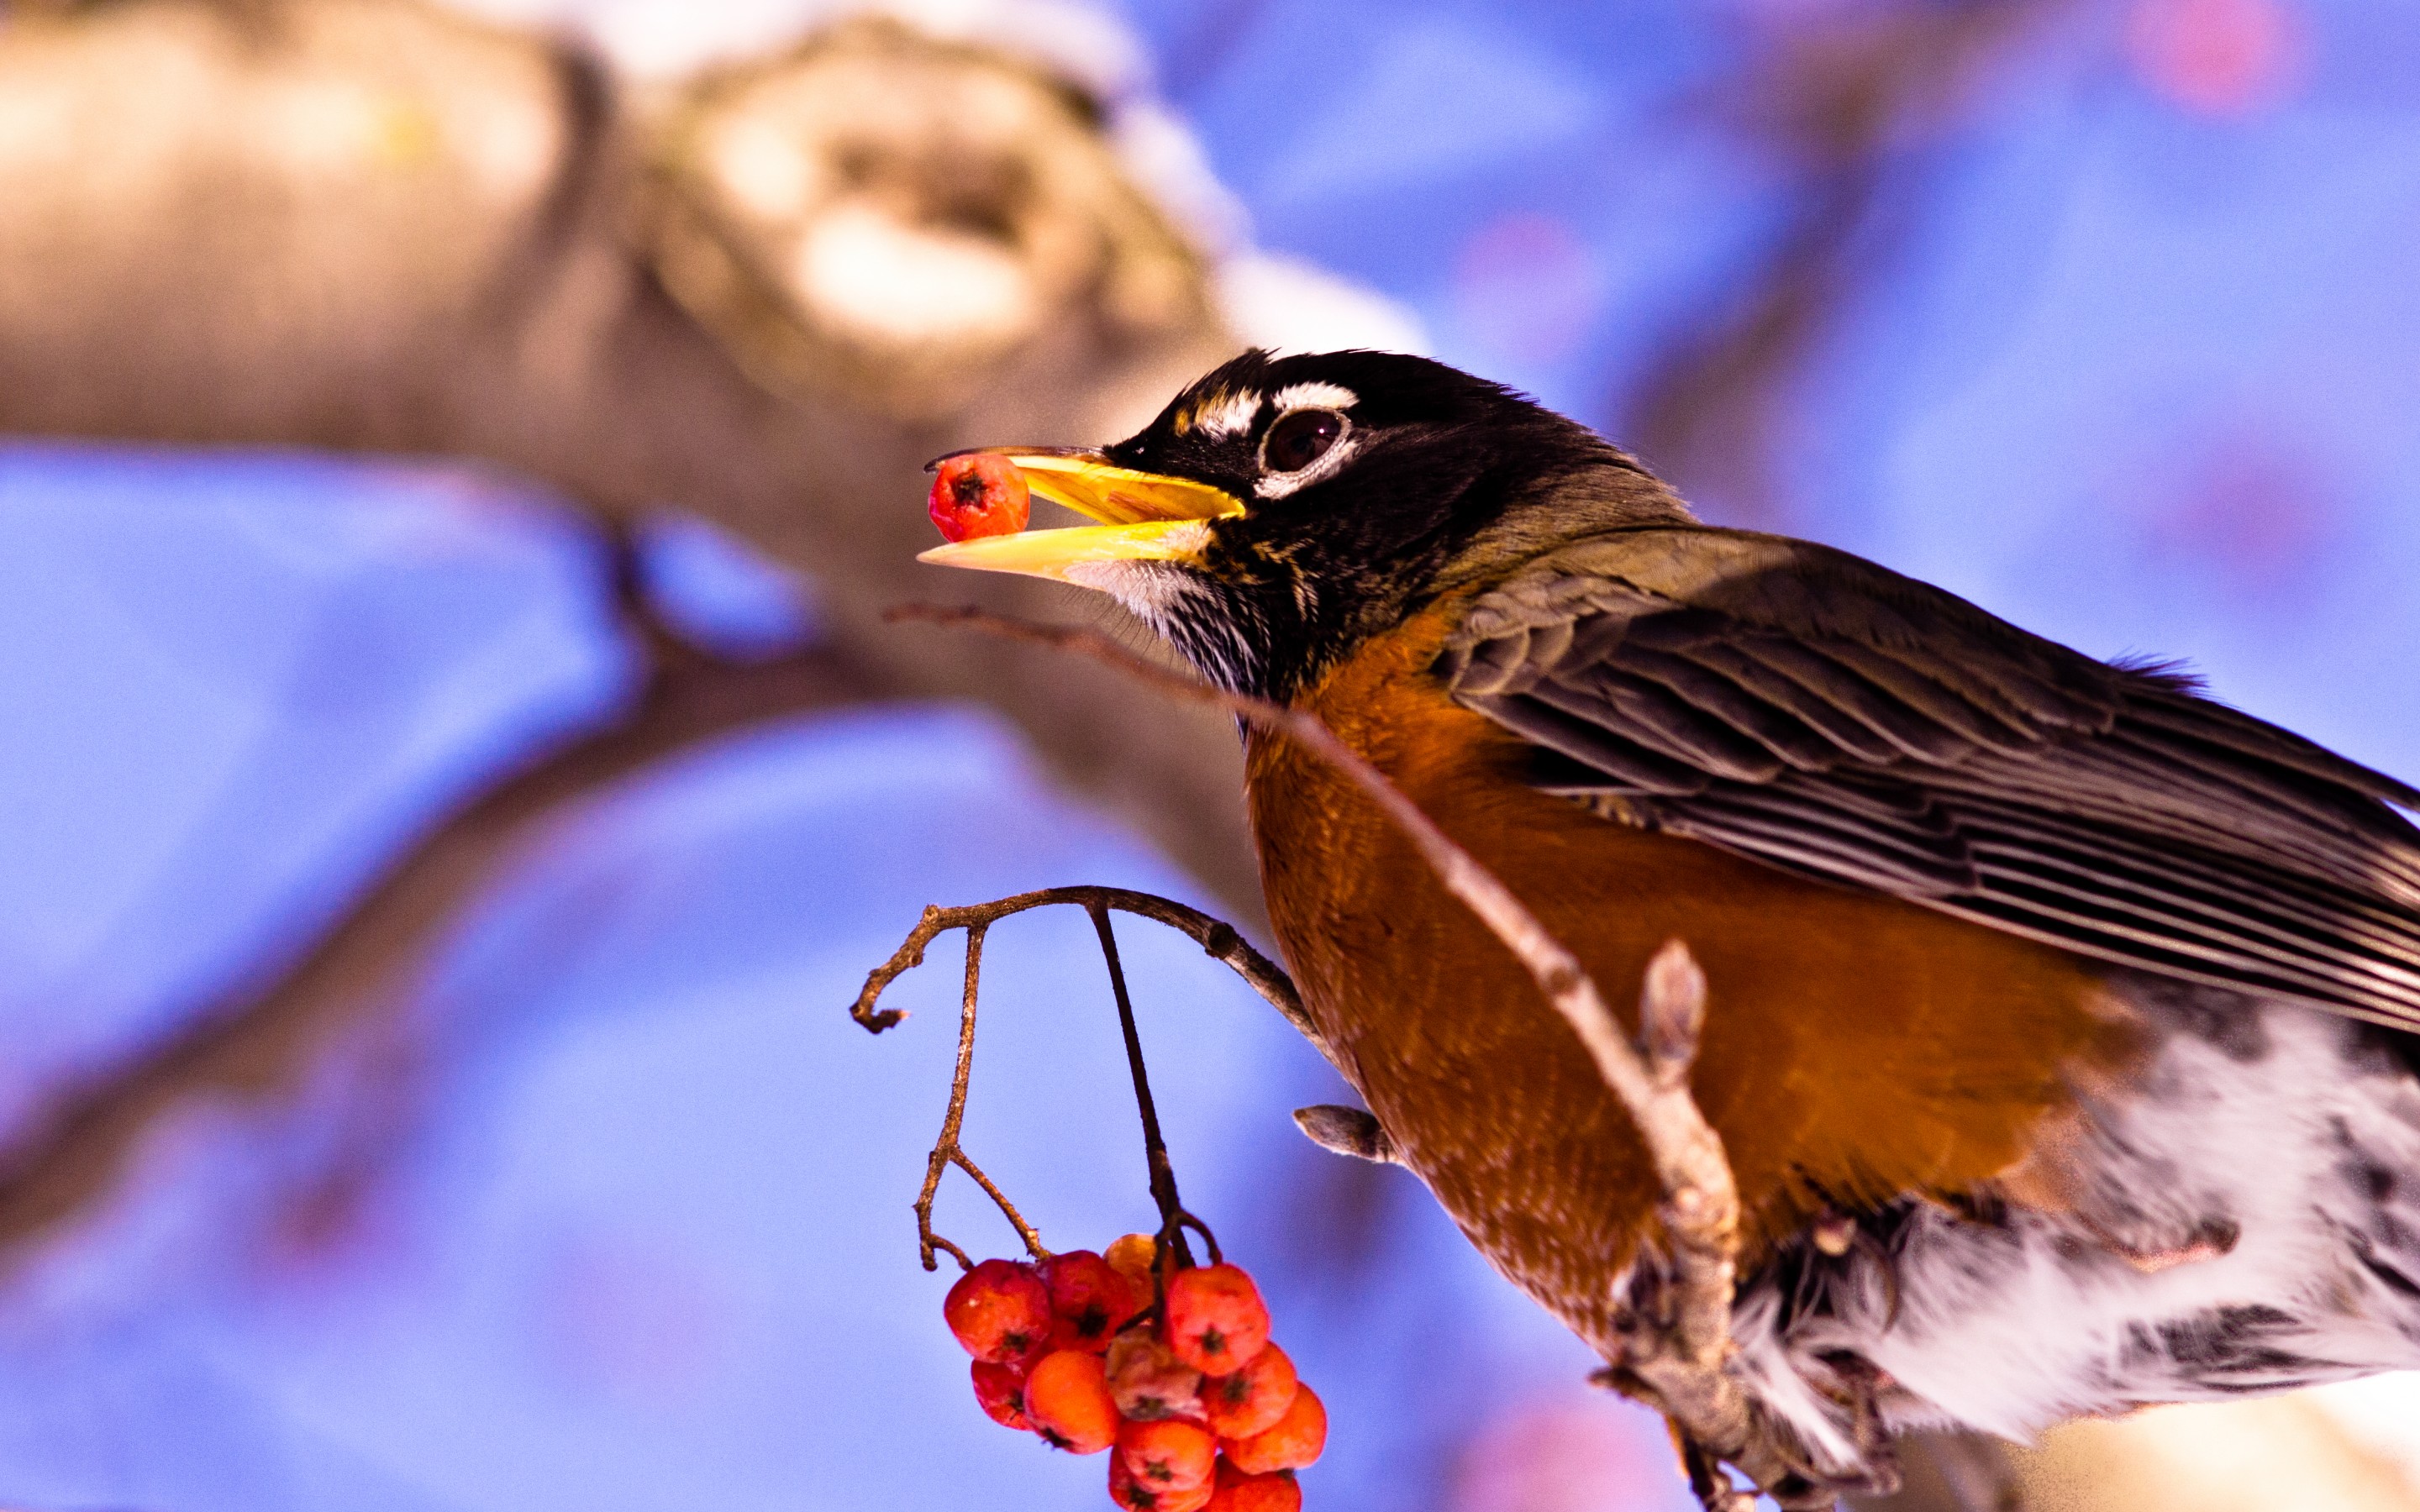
{"x": 1281, "y": 510}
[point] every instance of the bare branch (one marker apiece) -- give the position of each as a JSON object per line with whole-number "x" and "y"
{"x": 946, "y": 1150}
{"x": 1671, "y": 1013}
{"x": 521, "y": 258}
{"x": 1218, "y": 939}
{"x": 1173, "y": 1219}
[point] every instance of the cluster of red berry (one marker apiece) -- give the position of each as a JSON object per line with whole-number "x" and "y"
{"x": 1204, "y": 1412}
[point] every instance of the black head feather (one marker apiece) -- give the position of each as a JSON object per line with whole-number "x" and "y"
{"x": 1372, "y": 482}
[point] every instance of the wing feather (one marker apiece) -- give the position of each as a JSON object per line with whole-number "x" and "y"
{"x": 1662, "y": 721}
{"x": 1851, "y": 736}
{"x": 1826, "y": 715}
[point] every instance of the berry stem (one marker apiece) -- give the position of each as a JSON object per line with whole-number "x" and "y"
{"x": 1173, "y": 1219}
{"x": 1154, "y": 1149}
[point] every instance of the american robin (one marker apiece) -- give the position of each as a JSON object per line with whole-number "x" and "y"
{"x": 2059, "y": 1024}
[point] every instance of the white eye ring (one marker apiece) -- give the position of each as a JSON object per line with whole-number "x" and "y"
{"x": 1344, "y": 427}
{"x": 1277, "y": 483}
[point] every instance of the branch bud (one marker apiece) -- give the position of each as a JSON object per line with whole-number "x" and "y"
{"x": 1348, "y": 1132}
{"x": 1671, "y": 1013}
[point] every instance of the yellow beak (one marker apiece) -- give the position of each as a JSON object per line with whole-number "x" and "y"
{"x": 1144, "y": 516}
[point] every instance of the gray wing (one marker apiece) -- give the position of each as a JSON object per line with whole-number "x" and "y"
{"x": 1818, "y": 713}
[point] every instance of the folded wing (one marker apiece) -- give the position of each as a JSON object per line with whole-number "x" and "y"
{"x": 1813, "y": 711}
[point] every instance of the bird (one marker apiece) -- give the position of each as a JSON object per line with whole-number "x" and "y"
{"x": 2061, "y": 1024}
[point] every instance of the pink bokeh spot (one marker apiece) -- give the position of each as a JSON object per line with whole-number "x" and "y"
{"x": 2243, "y": 508}
{"x": 2221, "y": 58}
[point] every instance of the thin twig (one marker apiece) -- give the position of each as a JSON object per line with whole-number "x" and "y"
{"x": 1676, "y": 1360}
{"x": 946, "y": 1150}
{"x": 1217, "y": 938}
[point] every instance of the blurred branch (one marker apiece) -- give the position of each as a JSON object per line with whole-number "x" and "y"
{"x": 261, "y": 1042}
{"x": 1848, "y": 106}
{"x": 766, "y": 294}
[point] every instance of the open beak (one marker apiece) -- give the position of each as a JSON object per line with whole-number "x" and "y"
{"x": 1145, "y": 516}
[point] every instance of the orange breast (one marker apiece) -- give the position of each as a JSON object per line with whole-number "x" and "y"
{"x": 1857, "y": 1047}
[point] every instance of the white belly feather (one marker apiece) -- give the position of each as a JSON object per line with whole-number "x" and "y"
{"x": 2249, "y": 1221}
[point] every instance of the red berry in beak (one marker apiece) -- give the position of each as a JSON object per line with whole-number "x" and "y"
{"x": 999, "y": 1310}
{"x": 978, "y": 494}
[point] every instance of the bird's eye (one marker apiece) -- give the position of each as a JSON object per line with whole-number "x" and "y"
{"x": 1299, "y": 438}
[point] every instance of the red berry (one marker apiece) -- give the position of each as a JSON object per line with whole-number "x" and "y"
{"x": 1068, "y": 1400}
{"x": 1135, "y": 1494}
{"x": 1235, "y": 1492}
{"x": 1149, "y": 1381}
{"x": 1088, "y": 1300}
{"x": 1250, "y": 1399}
{"x": 999, "y": 1310}
{"x": 978, "y": 494}
{"x": 1294, "y": 1441}
{"x": 1001, "y": 1389}
{"x": 1130, "y": 1255}
{"x": 1168, "y": 1455}
{"x": 1215, "y": 1320}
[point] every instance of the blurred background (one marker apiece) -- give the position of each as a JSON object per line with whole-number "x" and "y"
{"x": 454, "y": 775}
